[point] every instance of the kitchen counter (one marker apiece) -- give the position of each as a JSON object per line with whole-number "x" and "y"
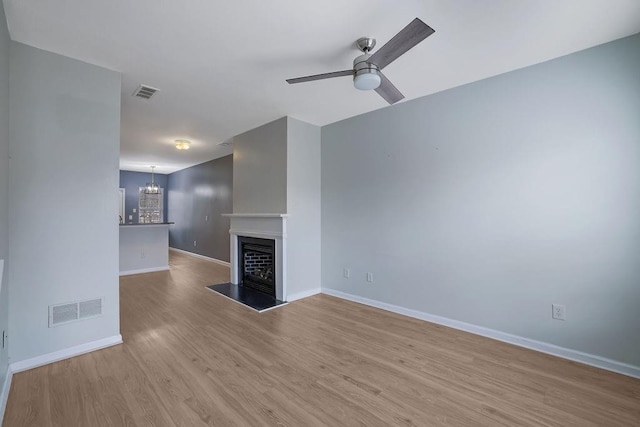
{"x": 144, "y": 247}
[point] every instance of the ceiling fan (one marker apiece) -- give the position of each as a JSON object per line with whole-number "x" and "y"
{"x": 366, "y": 68}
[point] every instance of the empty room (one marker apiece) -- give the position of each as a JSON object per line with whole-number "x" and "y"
{"x": 416, "y": 213}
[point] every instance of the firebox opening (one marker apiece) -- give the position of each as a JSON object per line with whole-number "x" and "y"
{"x": 257, "y": 264}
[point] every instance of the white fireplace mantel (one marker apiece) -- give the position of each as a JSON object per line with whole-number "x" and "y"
{"x": 264, "y": 226}
{"x": 256, "y": 215}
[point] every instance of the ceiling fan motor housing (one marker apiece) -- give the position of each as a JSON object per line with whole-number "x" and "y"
{"x": 366, "y": 76}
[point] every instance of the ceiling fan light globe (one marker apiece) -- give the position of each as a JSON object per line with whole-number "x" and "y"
{"x": 367, "y": 81}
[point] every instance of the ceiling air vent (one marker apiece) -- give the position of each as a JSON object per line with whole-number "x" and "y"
{"x": 71, "y": 312}
{"x": 226, "y": 143}
{"x": 145, "y": 92}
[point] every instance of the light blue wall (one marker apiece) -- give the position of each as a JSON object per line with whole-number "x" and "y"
{"x": 131, "y": 182}
{"x": 63, "y": 199}
{"x": 303, "y": 208}
{"x": 4, "y": 184}
{"x": 489, "y": 202}
{"x": 198, "y": 196}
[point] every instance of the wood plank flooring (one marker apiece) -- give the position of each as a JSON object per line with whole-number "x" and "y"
{"x": 191, "y": 357}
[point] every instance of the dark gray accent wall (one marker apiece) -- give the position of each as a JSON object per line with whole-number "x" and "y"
{"x": 4, "y": 184}
{"x": 131, "y": 182}
{"x": 260, "y": 169}
{"x": 198, "y": 196}
{"x": 490, "y": 202}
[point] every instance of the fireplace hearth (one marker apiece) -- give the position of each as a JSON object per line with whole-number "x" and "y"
{"x": 256, "y": 271}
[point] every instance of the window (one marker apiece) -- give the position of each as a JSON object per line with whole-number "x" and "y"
{"x": 150, "y": 206}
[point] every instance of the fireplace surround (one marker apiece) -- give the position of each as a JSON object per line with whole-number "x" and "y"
{"x": 260, "y": 226}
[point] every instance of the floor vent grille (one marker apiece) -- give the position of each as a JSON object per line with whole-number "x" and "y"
{"x": 61, "y": 314}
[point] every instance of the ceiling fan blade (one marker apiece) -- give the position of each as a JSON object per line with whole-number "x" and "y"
{"x": 407, "y": 38}
{"x": 320, "y": 76}
{"x": 388, "y": 91}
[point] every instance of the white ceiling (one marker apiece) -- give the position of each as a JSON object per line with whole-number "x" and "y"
{"x": 221, "y": 65}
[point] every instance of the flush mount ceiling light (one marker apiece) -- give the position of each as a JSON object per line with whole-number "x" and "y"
{"x": 152, "y": 187}
{"x": 183, "y": 144}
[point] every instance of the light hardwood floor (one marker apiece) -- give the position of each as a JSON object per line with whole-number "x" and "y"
{"x": 191, "y": 357}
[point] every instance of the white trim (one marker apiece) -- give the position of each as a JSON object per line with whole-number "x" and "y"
{"x": 66, "y": 353}
{"x": 206, "y": 258}
{"x": 5, "y": 392}
{"x": 145, "y": 224}
{"x": 303, "y": 294}
{"x": 543, "y": 347}
{"x": 257, "y": 215}
{"x": 121, "y": 211}
{"x": 144, "y": 270}
{"x": 259, "y": 234}
{"x": 1, "y": 273}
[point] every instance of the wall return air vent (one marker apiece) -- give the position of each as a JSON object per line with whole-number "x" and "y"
{"x": 145, "y": 92}
{"x": 61, "y": 314}
{"x": 226, "y": 143}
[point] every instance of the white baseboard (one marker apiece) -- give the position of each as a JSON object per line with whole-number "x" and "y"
{"x": 144, "y": 270}
{"x": 217, "y": 261}
{"x": 5, "y": 392}
{"x": 554, "y": 350}
{"x": 45, "y": 359}
{"x": 303, "y": 294}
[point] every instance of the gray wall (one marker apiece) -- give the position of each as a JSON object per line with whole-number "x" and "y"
{"x": 131, "y": 182}
{"x": 63, "y": 199}
{"x": 489, "y": 202}
{"x": 260, "y": 169}
{"x": 198, "y": 196}
{"x": 4, "y": 185}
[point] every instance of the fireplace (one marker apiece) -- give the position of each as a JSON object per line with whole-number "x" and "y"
{"x": 256, "y": 266}
{"x": 267, "y": 230}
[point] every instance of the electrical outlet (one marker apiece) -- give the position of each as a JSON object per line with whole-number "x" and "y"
{"x": 346, "y": 273}
{"x": 130, "y": 217}
{"x": 195, "y": 243}
{"x": 558, "y": 312}
{"x": 134, "y": 210}
{"x": 370, "y": 277}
